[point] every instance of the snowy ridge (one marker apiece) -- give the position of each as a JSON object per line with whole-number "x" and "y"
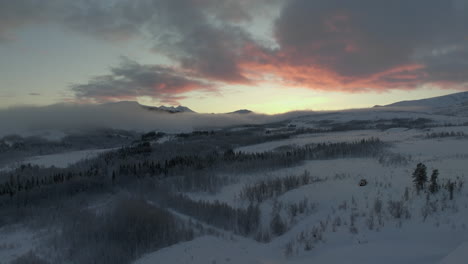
{"x": 170, "y": 109}
{"x": 456, "y": 99}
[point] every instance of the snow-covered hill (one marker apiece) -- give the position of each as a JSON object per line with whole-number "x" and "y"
{"x": 349, "y": 223}
{"x": 452, "y": 104}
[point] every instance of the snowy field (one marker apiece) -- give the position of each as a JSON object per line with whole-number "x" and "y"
{"x": 63, "y": 160}
{"x": 15, "y": 241}
{"x": 60, "y": 160}
{"x": 389, "y": 135}
{"x": 440, "y": 237}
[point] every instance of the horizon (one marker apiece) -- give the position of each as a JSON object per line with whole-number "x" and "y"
{"x": 220, "y": 56}
{"x": 218, "y": 113}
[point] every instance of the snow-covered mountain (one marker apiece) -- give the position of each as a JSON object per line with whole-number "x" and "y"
{"x": 132, "y": 105}
{"x": 241, "y": 111}
{"x": 456, "y": 99}
{"x": 452, "y": 104}
{"x": 170, "y": 109}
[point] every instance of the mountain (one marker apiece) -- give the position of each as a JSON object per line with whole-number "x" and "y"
{"x": 132, "y": 105}
{"x": 170, "y": 109}
{"x": 241, "y": 111}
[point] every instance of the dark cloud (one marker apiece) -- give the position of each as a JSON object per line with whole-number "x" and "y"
{"x": 202, "y": 35}
{"x": 185, "y": 34}
{"x": 90, "y": 17}
{"x": 362, "y": 38}
{"x": 321, "y": 44}
{"x": 14, "y": 14}
{"x": 448, "y": 63}
{"x": 130, "y": 80}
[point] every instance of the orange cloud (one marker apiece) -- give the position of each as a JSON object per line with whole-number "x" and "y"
{"x": 263, "y": 66}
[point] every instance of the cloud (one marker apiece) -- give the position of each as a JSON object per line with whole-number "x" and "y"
{"x": 200, "y": 35}
{"x": 14, "y": 14}
{"x": 359, "y": 41}
{"x": 341, "y": 45}
{"x": 130, "y": 80}
{"x": 123, "y": 115}
{"x": 99, "y": 19}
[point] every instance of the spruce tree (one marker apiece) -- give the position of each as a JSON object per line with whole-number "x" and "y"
{"x": 451, "y": 188}
{"x": 278, "y": 227}
{"x": 434, "y": 186}
{"x": 420, "y": 177}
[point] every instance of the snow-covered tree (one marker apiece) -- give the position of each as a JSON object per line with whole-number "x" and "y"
{"x": 434, "y": 185}
{"x": 420, "y": 176}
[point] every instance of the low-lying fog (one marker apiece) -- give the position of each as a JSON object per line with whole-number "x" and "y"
{"x": 124, "y": 115}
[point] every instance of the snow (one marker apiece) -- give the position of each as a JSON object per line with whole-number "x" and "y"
{"x": 408, "y": 245}
{"x": 391, "y": 135}
{"x": 391, "y": 246}
{"x": 63, "y": 160}
{"x": 458, "y": 256}
{"x": 399, "y": 134}
{"x": 59, "y": 160}
{"x": 374, "y": 114}
{"x": 173, "y": 109}
{"x": 164, "y": 139}
{"x": 14, "y": 242}
{"x": 211, "y": 250}
{"x": 435, "y": 148}
{"x": 441, "y": 238}
{"x": 435, "y": 102}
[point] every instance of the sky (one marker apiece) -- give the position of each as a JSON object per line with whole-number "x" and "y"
{"x": 216, "y": 56}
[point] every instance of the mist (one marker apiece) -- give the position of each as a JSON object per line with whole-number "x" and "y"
{"x": 123, "y": 115}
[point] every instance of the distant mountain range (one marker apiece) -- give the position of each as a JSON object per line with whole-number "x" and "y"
{"x": 452, "y": 104}
{"x": 132, "y": 105}
{"x": 169, "y": 109}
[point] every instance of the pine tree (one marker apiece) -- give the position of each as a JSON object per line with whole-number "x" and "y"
{"x": 451, "y": 188}
{"x": 113, "y": 177}
{"x": 278, "y": 227}
{"x": 434, "y": 186}
{"x": 420, "y": 177}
